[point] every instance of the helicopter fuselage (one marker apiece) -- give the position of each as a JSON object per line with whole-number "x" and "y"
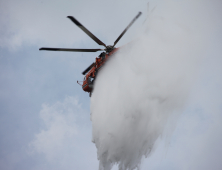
{"x": 92, "y": 71}
{"x": 90, "y": 77}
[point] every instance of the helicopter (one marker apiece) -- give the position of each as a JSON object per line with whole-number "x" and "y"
{"x": 91, "y": 71}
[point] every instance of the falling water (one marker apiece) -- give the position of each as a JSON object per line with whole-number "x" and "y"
{"x": 145, "y": 86}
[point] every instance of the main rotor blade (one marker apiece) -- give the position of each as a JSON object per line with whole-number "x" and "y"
{"x": 88, "y": 68}
{"x": 86, "y": 31}
{"x": 71, "y": 50}
{"x": 127, "y": 28}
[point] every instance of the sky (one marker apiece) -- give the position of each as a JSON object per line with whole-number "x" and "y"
{"x": 44, "y": 114}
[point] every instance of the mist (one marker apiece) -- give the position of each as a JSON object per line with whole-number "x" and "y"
{"x": 143, "y": 89}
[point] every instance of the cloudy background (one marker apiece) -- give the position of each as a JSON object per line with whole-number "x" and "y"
{"x": 45, "y": 115}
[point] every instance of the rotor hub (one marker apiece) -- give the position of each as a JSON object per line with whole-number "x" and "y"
{"x": 109, "y": 48}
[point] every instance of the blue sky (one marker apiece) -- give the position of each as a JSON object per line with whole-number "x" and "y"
{"x": 45, "y": 115}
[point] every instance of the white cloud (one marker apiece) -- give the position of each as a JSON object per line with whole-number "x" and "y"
{"x": 60, "y": 128}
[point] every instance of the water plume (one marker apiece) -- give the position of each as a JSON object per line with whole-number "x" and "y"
{"x": 145, "y": 85}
